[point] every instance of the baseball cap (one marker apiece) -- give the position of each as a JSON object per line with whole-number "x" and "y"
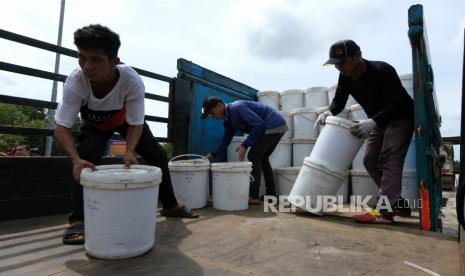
{"x": 208, "y": 104}
{"x": 341, "y": 50}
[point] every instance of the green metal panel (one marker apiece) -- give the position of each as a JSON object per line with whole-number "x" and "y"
{"x": 427, "y": 119}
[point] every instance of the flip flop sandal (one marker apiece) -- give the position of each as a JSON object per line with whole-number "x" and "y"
{"x": 73, "y": 230}
{"x": 182, "y": 212}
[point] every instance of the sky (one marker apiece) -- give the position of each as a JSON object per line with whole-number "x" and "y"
{"x": 266, "y": 44}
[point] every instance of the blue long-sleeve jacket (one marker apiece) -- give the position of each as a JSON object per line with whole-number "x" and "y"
{"x": 249, "y": 117}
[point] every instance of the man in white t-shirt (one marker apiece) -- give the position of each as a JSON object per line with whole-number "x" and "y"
{"x": 110, "y": 98}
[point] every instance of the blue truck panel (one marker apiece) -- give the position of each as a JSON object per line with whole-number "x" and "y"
{"x": 204, "y": 135}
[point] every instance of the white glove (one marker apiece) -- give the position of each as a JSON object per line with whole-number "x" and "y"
{"x": 322, "y": 118}
{"x": 363, "y": 128}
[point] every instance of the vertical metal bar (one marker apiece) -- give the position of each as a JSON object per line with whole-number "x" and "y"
{"x": 51, "y": 112}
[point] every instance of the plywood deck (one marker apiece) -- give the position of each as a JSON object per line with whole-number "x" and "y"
{"x": 238, "y": 243}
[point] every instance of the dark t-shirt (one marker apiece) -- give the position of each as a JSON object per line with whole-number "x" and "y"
{"x": 379, "y": 91}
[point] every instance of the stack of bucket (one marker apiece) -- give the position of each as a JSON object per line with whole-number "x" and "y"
{"x": 325, "y": 170}
{"x": 300, "y": 108}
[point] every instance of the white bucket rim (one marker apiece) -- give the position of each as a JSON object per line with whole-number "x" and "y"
{"x": 316, "y": 89}
{"x": 268, "y": 93}
{"x": 287, "y": 170}
{"x": 305, "y": 110}
{"x": 355, "y": 107}
{"x": 338, "y": 121}
{"x": 191, "y": 164}
{"x": 232, "y": 166}
{"x": 322, "y": 168}
{"x": 137, "y": 176}
{"x": 292, "y": 92}
{"x": 285, "y": 141}
{"x": 303, "y": 141}
{"x": 334, "y": 86}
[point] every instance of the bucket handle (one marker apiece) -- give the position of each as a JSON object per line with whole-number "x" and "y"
{"x": 190, "y": 155}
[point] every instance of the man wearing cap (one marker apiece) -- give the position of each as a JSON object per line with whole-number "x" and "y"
{"x": 376, "y": 86}
{"x": 265, "y": 127}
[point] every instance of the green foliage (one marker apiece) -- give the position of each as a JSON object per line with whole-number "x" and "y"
{"x": 169, "y": 150}
{"x": 25, "y": 116}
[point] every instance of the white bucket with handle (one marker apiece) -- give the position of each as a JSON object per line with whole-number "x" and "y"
{"x": 235, "y": 143}
{"x": 312, "y": 184}
{"x": 336, "y": 147}
{"x": 270, "y": 98}
{"x": 304, "y": 119}
{"x": 230, "y": 184}
{"x": 285, "y": 179}
{"x": 356, "y": 113}
{"x": 190, "y": 179}
{"x": 120, "y": 210}
{"x": 282, "y": 154}
{"x": 301, "y": 148}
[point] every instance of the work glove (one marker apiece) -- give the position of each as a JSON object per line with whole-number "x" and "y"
{"x": 210, "y": 157}
{"x": 322, "y": 118}
{"x": 363, "y": 128}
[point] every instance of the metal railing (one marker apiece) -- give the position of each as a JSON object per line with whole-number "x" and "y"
{"x": 9, "y": 67}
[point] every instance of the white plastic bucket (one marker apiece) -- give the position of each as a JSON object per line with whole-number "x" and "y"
{"x": 190, "y": 179}
{"x": 316, "y": 96}
{"x": 343, "y": 192}
{"x": 356, "y": 113}
{"x": 410, "y": 188}
{"x": 285, "y": 179}
{"x": 336, "y": 147}
{"x": 281, "y": 156}
{"x": 231, "y": 151}
{"x": 292, "y": 98}
{"x": 290, "y": 124}
{"x": 363, "y": 185}
{"x": 350, "y": 101}
{"x": 301, "y": 148}
{"x": 313, "y": 182}
{"x": 270, "y": 98}
{"x": 357, "y": 163}
{"x": 304, "y": 119}
{"x": 230, "y": 184}
{"x": 343, "y": 114}
{"x": 407, "y": 83}
{"x": 410, "y": 162}
{"x": 119, "y": 210}
{"x": 331, "y": 93}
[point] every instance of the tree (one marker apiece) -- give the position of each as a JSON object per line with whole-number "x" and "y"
{"x": 25, "y": 116}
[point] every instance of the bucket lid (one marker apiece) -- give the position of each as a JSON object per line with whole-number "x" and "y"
{"x": 292, "y": 91}
{"x": 116, "y": 177}
{"x": 288, "y": 170}
{"x": 322, "y": 168}
{"x": 305, "y": 110}
{"x": 339, "y": 121}
{"x": 268, "y": 92}
{"x": 316, "y": 89}
{"x": 303, "y": 141}
{"x": 354, "y": 107}
{"x": 231, "y": 166}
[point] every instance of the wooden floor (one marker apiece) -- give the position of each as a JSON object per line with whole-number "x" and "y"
{"x": 251, "y": 242}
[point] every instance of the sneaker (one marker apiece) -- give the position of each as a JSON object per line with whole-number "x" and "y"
{"x": 375, "y": 216}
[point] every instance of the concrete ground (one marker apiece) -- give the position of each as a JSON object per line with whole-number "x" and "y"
{"x": 248, "y": 242}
